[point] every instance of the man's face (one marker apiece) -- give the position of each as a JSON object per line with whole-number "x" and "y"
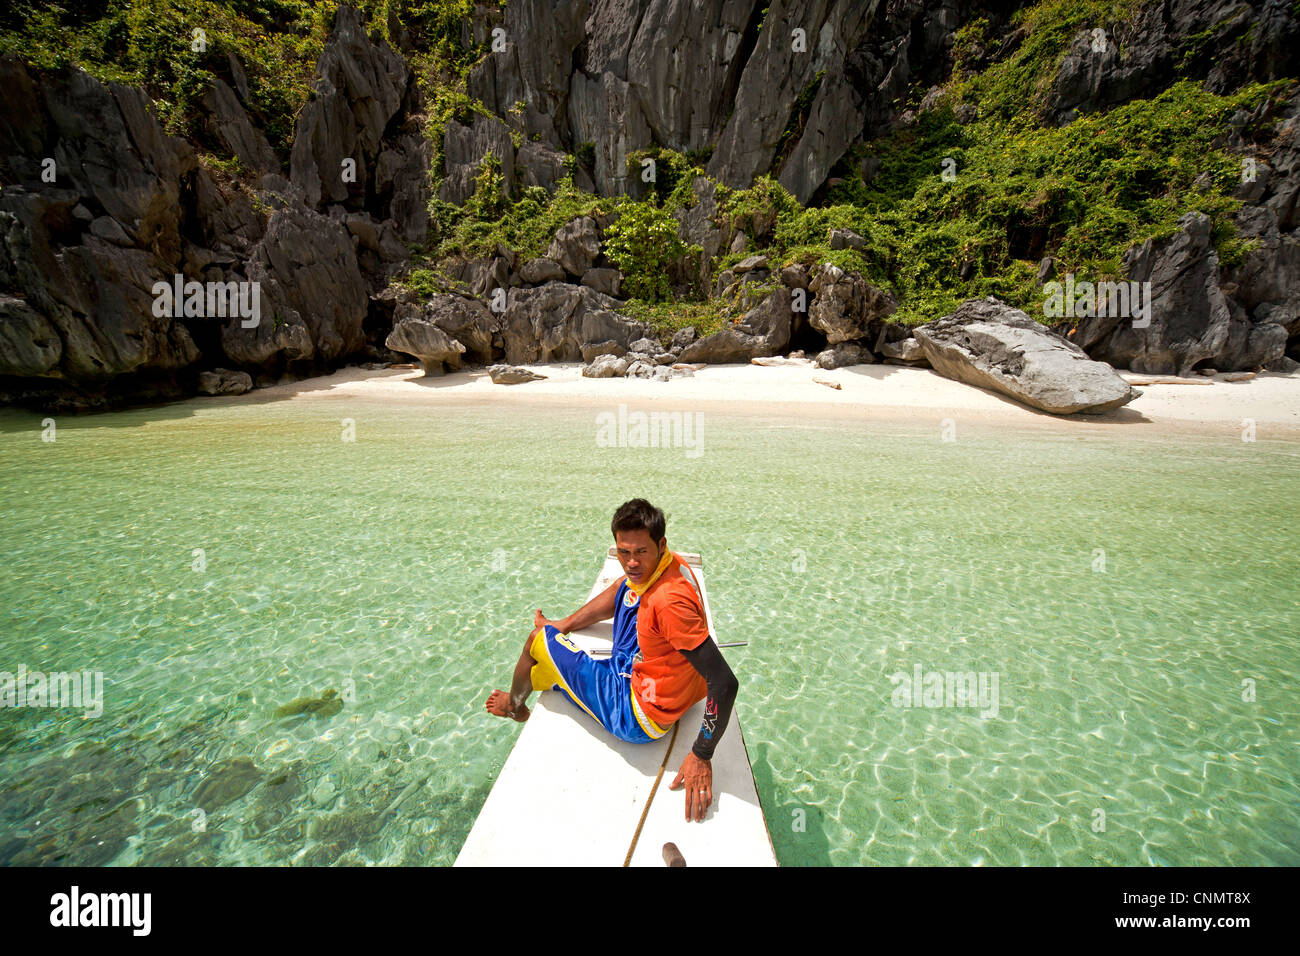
{"x": 638, "y": 554}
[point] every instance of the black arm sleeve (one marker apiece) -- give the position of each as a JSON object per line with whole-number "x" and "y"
{"x": 713, "y": 667}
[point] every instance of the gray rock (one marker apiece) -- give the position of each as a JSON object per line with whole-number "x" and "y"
{"x": 725, "y": 278}
{"x": 844, "y": 303}
{"x": 1251, "y": 345}
{"x": 683, "y": 338}
{"x": 88, "y": 307}
{"x": 645, "y": 345}
{"x": 537, "y": 271}
{"x": 907, "y": 350}
{"x": 603, "y": 280}
{"x": 29, "y": 344}
{"x": 402, "y": 185}
{"x": 604, "y": 112}
{"x": 593, "y": 350}
{"x": 773, "y": 79}
{"x": 575, "y": 246}
{"x": 764, "y": 330}
{"x": 1189, "y": 318}
{"x": 753, "y": 262}
{"x": 360, "y": 89}
{"x": 795, "y": 276}
{"x": 463, "y": 150}
{"x": 483, "y": 276}
{"x": 697, "y": 226}
{"x": 991, "y": 345}
{"x": 380, "y": 250}
{"x": 552, "y": 322}
{"x": 534, "y": 68}
{"x": 435, "y": 349}
{"x": 606, "y": 366}
{"x": 227, "y": 123}
{"x": 537, "y": 164}
{"x": 1141, "y": 54}
{"x": 846, "y": 239}
{"x": 510, "y": 375}
{"x": 314, "y": 299}
{"x": 842, "y": 355}
{"x": 109, "y": 230}
{"x": 223, "y": 381}
{"x": 467, "y": 321}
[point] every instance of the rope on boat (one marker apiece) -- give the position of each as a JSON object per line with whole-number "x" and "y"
{"x": 627, "y": 860}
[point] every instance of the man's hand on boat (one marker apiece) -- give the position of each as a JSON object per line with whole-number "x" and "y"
{"x": 697, "y": 775}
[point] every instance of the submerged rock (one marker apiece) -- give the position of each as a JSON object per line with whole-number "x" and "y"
{"x": 327, "y": 705}
{"x": 226, "y": 783}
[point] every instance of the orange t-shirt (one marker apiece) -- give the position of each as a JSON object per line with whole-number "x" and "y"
{"x": 670, "y": 618}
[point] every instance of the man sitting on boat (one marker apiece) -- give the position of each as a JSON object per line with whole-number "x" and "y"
{"x": 662, "y": 662}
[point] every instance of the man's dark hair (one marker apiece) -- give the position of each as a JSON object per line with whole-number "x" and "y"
{"x": 639, "y": 515}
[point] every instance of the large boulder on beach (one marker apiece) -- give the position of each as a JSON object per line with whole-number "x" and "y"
{"x": 512, "y": 375}
{"x": 763, "y": 330}
{"x": 468, "y": 321}
{"x": 416, "y": 335}
{"x": 553, "y": 323}
{"x": 843, "y": 355}
{"x": 991, "y": 345}
{"x": 606, "y": 366}
{"x": 844, "y": 303}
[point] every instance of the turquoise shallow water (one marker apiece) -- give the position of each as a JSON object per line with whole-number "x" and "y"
{"x": 1120, "y": 587}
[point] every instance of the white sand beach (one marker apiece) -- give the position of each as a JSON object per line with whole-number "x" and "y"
{"x": 874, "y": 392}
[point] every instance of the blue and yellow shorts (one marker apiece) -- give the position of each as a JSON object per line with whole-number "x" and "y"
{"x": 595, "y": 684}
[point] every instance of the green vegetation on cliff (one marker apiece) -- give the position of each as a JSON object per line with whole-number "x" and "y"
{"x": 964, "y": 199}
{"x": 174, "y": 48}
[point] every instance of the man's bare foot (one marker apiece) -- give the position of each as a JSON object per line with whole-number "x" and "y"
{"x": 498, "y": 704}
